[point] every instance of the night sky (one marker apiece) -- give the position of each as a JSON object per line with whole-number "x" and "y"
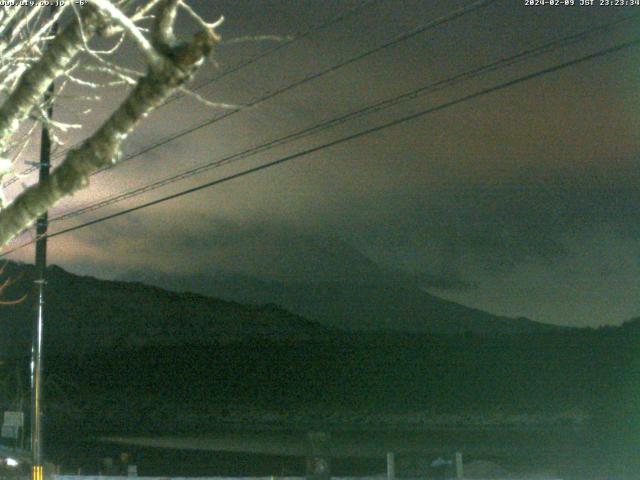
{"x": 521, "y": 202}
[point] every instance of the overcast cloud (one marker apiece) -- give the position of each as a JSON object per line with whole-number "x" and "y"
{"x": 523, "y": 202}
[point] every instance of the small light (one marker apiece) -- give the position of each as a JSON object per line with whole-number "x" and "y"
{"x": 12, "y": 462}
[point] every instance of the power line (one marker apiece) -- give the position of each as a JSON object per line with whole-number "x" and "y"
{"x": 239, "y": 66}
{"x": 472, "y": 7}
{"x": 407, "y": 118}
{"x": 387, "y": 103}
{"x": 401, "y": 38}
{"x": 336, "y": 19}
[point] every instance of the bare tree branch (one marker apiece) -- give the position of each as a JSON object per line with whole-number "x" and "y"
{"x": 177, "y": 63}
{"x": 36, "y": 80}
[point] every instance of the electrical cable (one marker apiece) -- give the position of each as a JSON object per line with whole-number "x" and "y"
{"x": 407, "y": 118}
{"x": 472, "y": 7}
{"x": 239, "y": 66}
{"x": 430, "y": 88}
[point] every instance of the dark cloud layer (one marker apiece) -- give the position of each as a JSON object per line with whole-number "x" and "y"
{"x": 523, "y": 202}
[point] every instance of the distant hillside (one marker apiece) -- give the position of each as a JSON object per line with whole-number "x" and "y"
{"x": 357, "y": 306}
{"x": 85, "y": 314}
{"x": 171, "y": 363}
{"x": 401, "y": 309}
{"x": 632, "y": 325}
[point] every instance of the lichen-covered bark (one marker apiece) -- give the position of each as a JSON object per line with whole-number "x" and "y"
{"x": 103, "y": 147}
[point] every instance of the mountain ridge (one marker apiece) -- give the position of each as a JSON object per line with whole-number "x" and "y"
{"x": 85, "y": 313}
{"x": 374, "y": 306}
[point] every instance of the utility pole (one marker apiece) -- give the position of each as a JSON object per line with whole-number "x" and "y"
{"x": 38, "y": 323}
{"x": 391, "y": 466}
